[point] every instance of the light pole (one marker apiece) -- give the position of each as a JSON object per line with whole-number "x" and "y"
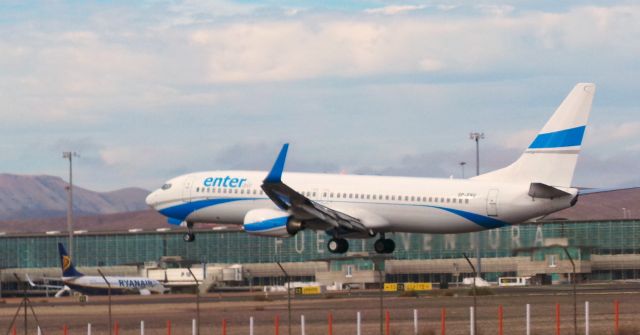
{"x": 69, "y": 155}
{"x": 477, "y": 137}
{"x": 462, "y": 164}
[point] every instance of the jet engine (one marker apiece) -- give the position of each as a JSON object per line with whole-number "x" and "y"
{"x": 271, "y": 222}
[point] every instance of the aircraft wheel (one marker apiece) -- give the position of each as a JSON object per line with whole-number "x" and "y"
{"x": 379, "y": 246}
{"x": 389, "y": 246}
{"x": 384, "y": 246}
{"x": 338, "y": 245}
{"x": 189, "y": 237}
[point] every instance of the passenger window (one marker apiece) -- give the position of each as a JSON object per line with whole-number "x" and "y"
{"x": 393, "y": 197}
{"x": 412, "y": 198}
{"x": 350, "y": 195}
{"x": 441, "y": 199}
{"x": 448, "y": 200}
{"x": 344, "y": 195}
{"x": 386, "y": 197}
{"x": 368, "y": 195}
{"x": 466, "y": 201}
{"x": 356, "y": 196}
{"x": 313, "y": 194}
{"x": 337, "y": 195}
{"x": 435, "y": 200}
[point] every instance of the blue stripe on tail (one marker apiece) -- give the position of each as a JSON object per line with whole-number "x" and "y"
{"x": 558, "y": 139}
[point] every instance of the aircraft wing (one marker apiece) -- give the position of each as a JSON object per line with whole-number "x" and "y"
{"x": 300, "y": 206}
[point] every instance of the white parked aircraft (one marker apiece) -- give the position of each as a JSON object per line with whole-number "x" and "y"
{"x": 355, "y": 206}
{"x": 77, "y": 281}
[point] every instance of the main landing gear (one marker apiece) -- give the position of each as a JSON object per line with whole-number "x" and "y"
{"x": 384, "y": 245}
{"x": 189, "y": 236}
{"x": 338, "y": 245}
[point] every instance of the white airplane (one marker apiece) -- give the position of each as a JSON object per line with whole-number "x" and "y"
{"x": 281, "y": 204}
{"x": 77, "y": 281}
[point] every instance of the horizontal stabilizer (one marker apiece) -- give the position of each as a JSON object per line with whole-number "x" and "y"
{"x": 540, "y": 190}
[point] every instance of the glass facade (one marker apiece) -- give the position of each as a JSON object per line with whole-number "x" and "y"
{"x": 597, "y": 238}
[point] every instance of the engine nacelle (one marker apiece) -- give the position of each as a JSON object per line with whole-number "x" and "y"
{"x": 270, "y": 222}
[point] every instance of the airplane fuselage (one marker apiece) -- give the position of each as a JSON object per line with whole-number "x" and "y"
{"x": 384, "y": 204}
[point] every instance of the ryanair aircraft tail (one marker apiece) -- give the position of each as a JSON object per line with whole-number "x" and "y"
{"x": 552, "y": 156}
{"x": 68, "y": 270}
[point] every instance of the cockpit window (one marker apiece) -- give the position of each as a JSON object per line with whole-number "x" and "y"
{"x": 166, "y": 186}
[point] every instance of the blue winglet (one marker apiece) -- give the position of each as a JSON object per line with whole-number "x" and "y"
{"x": 275, "y": 174}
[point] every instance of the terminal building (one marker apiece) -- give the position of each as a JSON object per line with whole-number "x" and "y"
{"x": 602, "y": 249}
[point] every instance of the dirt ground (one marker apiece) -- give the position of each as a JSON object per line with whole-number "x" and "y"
{"x": 236, "y": 309}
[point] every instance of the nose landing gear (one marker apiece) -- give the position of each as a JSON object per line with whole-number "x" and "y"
{"x": 189, "y": 236}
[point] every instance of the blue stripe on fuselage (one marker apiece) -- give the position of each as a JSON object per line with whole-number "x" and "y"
{"x": 183, "y": 210}
{"x": 559, "y": 139}
{"x": 267, "y": 224}
{"x": 481, "y": 220}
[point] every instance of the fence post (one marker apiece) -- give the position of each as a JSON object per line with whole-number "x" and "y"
{"x": 415, "y": 322}
{"x": 500, "y": 316}
{"x": 224, "y": 326}
{"x": 528, "y": 319}
{"x": 358, "y": 322}
{"x": 65, "y": 330}
{"x": 586, "y": 318}
{"x": 557, "y": 319}
{"x": 616, "y": 305}
{"x": 471, "y": 321}
{"x": 251, "y": 325}
{"x": 443, "y": 318}
{"x": 168, "y": 327}
{"x": 117, "y": 328}
{"x": 141, "y": 327}
{"x": 193, "y": 326}
{"x": 40, "y": 331}
{"x": 330, "y": 323}
{"x": 88, "y": 329}
{"x": 387, "y": 322}
{"x": 302, "y": 330}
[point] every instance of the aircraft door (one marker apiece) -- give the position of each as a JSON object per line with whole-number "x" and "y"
{"x": 186, "y": 190}
{"x": 492, "y": 202}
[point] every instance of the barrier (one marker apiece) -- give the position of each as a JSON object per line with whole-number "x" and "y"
{"x": 616, "y": 312}
{"x": 168, "y": 327}
{"x": 557, "y": 319}
{"x": 415, "y": 322}
{"x": 586, "y": 318}
{"x": 387, "y": 325}
{"x": 302, "y": 327}
{"x": 443, "y": 318}
{"x": 251, "y": 325}
{"x": 528, "y": 320}
{"x": 330, "y": 323}
{"x": 500, "y": 316}
{"x": 358, "y": 324}
{"x": 277, "y": 324}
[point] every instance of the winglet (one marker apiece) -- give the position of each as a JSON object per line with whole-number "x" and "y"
{"x": 275, "y": 174}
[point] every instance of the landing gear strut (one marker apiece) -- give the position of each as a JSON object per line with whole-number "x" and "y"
{"x": 384, "y": 245}
{"x": 338, "y": 245}
{"x": 189, "y": 236}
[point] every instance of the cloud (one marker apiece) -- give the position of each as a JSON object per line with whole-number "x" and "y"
{"x": 162, "y": 89}
{"x": 394, "y": 9}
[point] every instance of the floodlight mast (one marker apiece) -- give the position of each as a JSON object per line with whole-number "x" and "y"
{"x": 475, "y": 136}
{"x": 69, "y": 155}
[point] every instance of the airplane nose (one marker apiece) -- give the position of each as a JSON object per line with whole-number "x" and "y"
{"x": 151, "y": 199}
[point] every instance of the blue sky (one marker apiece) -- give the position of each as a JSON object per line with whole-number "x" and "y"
{"x": 144, "y": 91}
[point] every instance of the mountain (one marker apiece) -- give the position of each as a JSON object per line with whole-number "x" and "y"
{"x": 24, "y": 197}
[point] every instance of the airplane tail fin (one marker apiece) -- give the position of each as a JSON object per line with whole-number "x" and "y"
{"x": 68, "y": 270}
{"x": 552, "y": 156}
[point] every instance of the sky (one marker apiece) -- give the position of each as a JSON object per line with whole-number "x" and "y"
{"x": 147, "y": 90}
